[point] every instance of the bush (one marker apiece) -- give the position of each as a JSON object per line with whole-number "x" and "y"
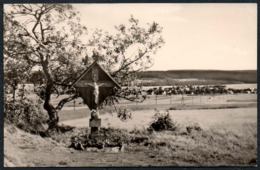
{"x": 163, "y": 121}
{"x": 124, "y": 113}
{"x": 108, "y": 137}
{"x": 194, "y": 127}
{"x": 25, "y": 114}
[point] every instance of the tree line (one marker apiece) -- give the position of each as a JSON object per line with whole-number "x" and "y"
{"x": 236, "y": 76}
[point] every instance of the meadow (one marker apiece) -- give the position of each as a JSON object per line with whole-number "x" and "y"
{"x": 223, "y": 130}
{"x": 213, "y": 130}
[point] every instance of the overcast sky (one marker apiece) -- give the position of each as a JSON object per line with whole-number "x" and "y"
{"x": 197, "y": 36}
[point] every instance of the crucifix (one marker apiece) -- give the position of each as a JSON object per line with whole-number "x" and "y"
{"x": 94, "y": 85}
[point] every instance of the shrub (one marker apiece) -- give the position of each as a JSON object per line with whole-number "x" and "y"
{"x": 140, "y": 139}
{"x": 195, "y": 127}
{"x": 124, "y": 113}
{"x": 172, "y": 108}
{"x": 25, "y": 114}
{"x": 163, "y": 121}
{"x": 108, "y": 137}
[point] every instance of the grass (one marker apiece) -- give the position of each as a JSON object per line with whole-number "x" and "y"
{"x": 217, "y": 135}
{"x": 219, "y": 146}
{"x": 73, "y": 114}
{"x": 212, "y": 137}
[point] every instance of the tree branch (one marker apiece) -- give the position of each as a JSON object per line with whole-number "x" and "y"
{"x": 62, "y": 84}
{"x": 42, "y": 31}
{"x": 64, "y": 101}
{"x": 38, "y": 18}
{"x": 29, "y": 9}
{"x": 31, "y": 60}
{"x": 131, "y": 99}
{"x": 56, "y": 91}
{"x": 128, "y": 64}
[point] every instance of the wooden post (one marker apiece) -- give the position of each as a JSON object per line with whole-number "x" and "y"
{"x": 94, "y": 124}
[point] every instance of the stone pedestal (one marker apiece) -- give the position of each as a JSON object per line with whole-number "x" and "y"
{"x": 94, "y": 124}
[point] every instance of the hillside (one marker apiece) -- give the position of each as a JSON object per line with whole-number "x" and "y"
{"x": 197, "y": 77}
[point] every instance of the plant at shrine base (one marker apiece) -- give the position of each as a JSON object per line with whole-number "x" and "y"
{"x": 163, "y": 121}
{"x": 108, "y": 137}
{"x": 48, "y": 37}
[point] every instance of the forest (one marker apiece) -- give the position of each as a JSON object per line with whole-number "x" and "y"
{"x": 197, "y": 77}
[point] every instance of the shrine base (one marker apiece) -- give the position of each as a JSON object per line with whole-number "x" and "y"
{"x": 94, "y": 132}
{"x": 95, "y": 124}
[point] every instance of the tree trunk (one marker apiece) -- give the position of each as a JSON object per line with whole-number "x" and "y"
{"x": 53, "y": 114}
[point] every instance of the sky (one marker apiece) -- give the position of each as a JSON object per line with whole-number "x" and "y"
{"x": 197, "y": 36}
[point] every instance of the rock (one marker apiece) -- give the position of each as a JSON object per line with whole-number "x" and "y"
{"x": 122, "y": 148}
{"x": 112, "y": 150}
{"x": 115, "y": 150}
{"x": 92, "y": 149}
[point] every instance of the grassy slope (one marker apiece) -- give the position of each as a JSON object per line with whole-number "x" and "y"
{"x": 228, "y": 138}
{"x": 228, "y": 143}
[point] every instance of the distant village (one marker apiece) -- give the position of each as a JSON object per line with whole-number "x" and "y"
{"x": 167, "y": 90}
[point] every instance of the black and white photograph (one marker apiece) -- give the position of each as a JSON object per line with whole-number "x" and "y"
{"x": 130, "y": 85}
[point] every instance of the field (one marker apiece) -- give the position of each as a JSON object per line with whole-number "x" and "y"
{"x": 227, "y": 135}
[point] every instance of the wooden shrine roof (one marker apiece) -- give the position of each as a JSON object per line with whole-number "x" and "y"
{"x": 89, "y": 69}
